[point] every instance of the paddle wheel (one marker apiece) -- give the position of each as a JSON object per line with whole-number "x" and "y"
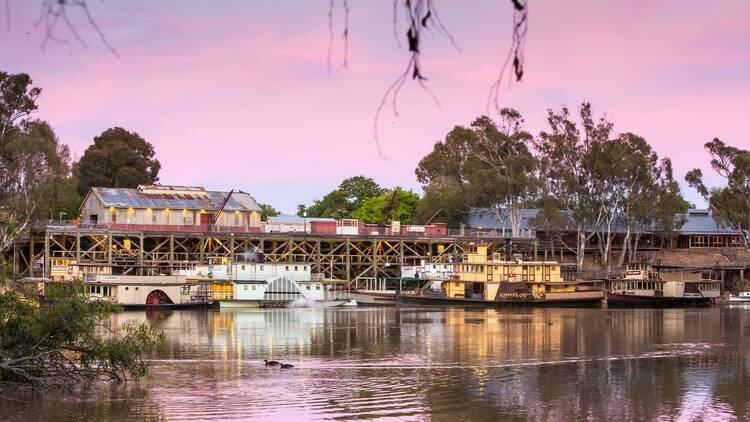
{"x": 158, "y": 297}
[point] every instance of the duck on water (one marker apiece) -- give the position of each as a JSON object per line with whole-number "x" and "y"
{"x": 277, "y": 363}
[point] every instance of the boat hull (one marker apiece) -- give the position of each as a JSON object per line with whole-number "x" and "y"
{"x": 621, "y": 300}
{"x": 374, "y": 298}
{"x": 415, "y": 300}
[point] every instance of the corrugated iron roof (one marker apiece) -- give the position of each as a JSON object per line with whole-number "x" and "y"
{"x": 207, "y": 200}
{"x": 696, "y": 222}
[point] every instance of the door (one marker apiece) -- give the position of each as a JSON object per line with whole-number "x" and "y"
{"x": 205, "y": 219}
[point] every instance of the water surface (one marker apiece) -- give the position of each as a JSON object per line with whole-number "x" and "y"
{"x": 436, "y": 364}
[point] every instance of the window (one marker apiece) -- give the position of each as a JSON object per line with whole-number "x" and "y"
{"x": 136, "y": 288}
{"x": 317, "y": 287}
{"x": 261, "y": 268}
{"x": 243, "y": 267}
{"x": 308, "y": 287}
{"x": 296, "y": 268}
{"x": 253, "y": 286}
{"x": 244, "y": 287}
{"x": 304, "y": 268}
{"x": 126, "y": 288}
{"x": 287, "y": 268}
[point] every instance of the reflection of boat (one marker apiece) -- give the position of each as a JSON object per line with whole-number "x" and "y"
{"x": 642, "y": 286}
{"x": 481, "y": 281}
{"x": 129, "y": 290}
{"x": 743, "y": 297}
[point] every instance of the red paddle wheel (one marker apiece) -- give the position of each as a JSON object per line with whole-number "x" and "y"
{"x": 157, "y": 297}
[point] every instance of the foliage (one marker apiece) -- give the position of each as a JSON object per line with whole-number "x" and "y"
{"x": 344, "y": 200}
{"x": 63, "y": 340}
{"x": 730, "y": 204}
{"x": 482, "y": 166}
{"x": 17, "y": 101}
{"x": 570, "y": 168}
{"x": 398, "y": 205}
{"x": 35, "y": 168}
{"x": 266, "y": 211}
{"x": 117, "y": 159}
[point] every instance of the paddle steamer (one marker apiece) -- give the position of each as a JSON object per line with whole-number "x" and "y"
{"x": 483, "y": 280}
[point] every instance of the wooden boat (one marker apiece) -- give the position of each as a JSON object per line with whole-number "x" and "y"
{"x": 479, "y": 280}
{"x": 641, "y": 285}
{"x": 140, "y": 291}
{"x": 374, "y": 297}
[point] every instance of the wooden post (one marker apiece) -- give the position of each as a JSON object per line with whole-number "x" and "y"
{"x": 109, "y": 247}
{"x": 31, "y": 255}
{"x": 348, "y": 260}
{"x": 46, "y": 269}
{"x": 171, "y": 250}
{"x": 78, "y": 247}
{"x": 140, "y": 254}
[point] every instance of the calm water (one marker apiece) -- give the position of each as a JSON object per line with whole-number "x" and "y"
{"x": 443, "y": 365}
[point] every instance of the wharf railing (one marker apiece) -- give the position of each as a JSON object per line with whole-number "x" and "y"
{"x": 361, "y": 231}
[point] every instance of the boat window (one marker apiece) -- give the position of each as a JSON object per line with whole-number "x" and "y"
{"x": 317, "y": 287}
{"x": 261, "y": 268}
{"x": 244, "y": 287}
{"x": 287, "y": 268}
{"x": 308, "y": 287}
{"x": 243, "y": 267}
{"x": 136, "y": 288}
{"x": 126, "y": 288}
{"x": 304, "y": 268}
{"x": 296, "y": 268}
{"x": 253, "y": 286}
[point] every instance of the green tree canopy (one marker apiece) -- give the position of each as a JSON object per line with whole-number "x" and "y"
{"x": 266, "y": 211}
{"x": 117, "y": 159}
{"x": 397, "y": 204}
{"x": 485, "y": 165}
{"x": 730, "y": 204}
{"x": 344, "y": 200}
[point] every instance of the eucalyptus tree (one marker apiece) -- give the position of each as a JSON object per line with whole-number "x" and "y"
{"x": 487, "y": 166}
{"x": 651, "y": 197}
{"x": 730, "y": 204}
{"x": 34, "y": 165}
{"x": 574, "y": 170}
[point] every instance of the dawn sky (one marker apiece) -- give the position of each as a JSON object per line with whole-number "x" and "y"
{"x": 238, "y": 96}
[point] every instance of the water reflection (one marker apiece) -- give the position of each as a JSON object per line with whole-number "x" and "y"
{"x": 672, "y": 364}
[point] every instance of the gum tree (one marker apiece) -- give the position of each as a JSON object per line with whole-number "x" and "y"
{"x": 730, "y": 204}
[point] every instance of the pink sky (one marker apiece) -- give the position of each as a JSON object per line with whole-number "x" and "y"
{"x": 239, "y": 97}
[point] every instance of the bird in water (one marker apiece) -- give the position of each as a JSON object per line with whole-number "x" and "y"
{"x": 286, "y": 366}
{"x": 270, "y": 362}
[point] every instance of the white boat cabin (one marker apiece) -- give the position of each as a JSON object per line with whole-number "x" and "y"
{"x": 641, "y": 280}
{"x": 145, "y": 290}
{"x": 249, "y": 271}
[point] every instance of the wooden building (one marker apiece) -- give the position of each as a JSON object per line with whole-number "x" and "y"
{"x": 170, "y": 208}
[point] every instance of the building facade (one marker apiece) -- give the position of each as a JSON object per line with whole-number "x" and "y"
{"x": 170, "y": 208}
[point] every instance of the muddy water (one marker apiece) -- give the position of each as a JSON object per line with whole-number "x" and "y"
{"x": 443, "y": 365}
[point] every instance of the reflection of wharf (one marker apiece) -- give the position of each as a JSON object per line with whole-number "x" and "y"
{"x": 153, "y": 252}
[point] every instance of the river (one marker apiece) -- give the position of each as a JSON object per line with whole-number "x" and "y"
{"x": 432, "y": 364}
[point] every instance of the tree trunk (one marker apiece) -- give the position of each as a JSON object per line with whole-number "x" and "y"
{"x": 580, "y": 248}
{"x": 624, "y": 250}
{"x": 634, "y": 248}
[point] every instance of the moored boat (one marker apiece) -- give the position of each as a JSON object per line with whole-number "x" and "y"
{"x": 479, "y": 280}
{"x": 139, "y": 291}
{"x": 641, "y": 285}
{"x": 742, "y": 297}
